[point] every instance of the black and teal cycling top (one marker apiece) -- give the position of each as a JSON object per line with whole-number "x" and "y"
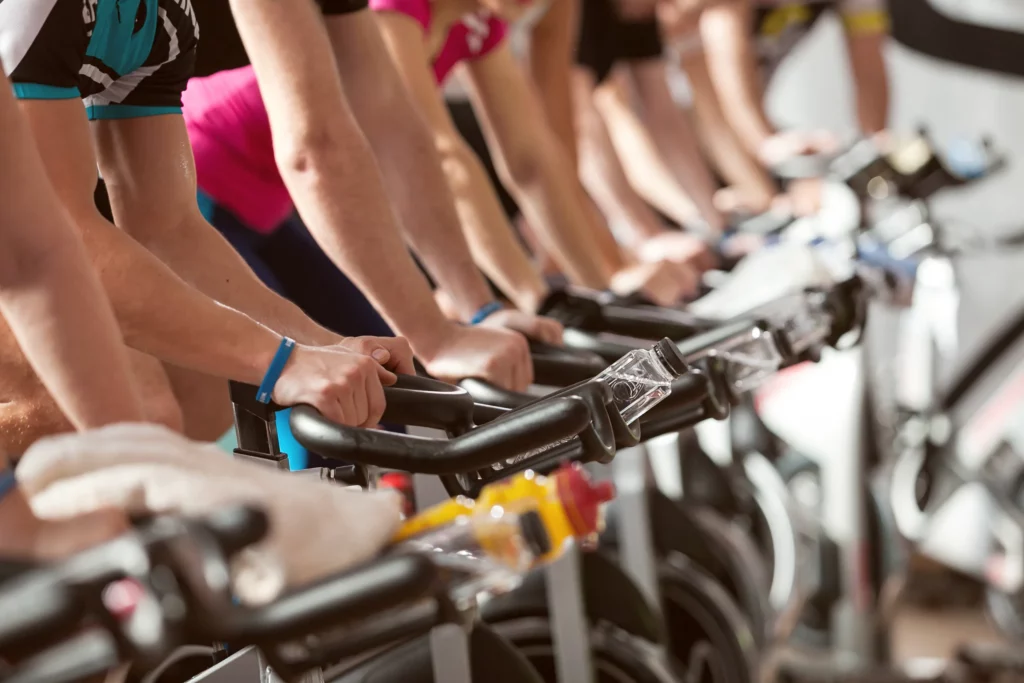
{"x": 780, "y": 25}
{"x": 124, "y": 58}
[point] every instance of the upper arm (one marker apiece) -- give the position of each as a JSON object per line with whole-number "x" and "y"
{"x": 149, "y": 171}
{"x": 291, "y": 55}
{"x": 405, "y": 40}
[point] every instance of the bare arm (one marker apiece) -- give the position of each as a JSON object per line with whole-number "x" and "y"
{"x": 641, "y": 160}
{"x": 871, "y": 80}
{"x": 551, "y": 61}
{"x": 737, "y": 166}
{"x": 538, "y": 171}
{"x": 187, "y": 328}
{"x": 49, "y": 293}
{"x": 492, "y": 240}
{"x": 673, "y": 134}
{"x": 630, "y": 217}
{"x": 408, "y": 160}
{"x": 150, "y": 158}
{"x": 329, "y": 169}
{"x": 726, "y": 31}
{"x": 328, "y": 166}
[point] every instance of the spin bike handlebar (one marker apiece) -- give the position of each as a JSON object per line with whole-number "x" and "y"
{"x": 46, "y": 604}
{"x": 534, "y": 427}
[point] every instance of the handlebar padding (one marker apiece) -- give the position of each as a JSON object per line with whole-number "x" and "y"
{"x": 424, "y": 402}
{"x": 702, "y": 343}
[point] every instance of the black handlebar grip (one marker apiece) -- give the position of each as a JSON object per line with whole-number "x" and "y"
{"x": 489, "y": 394}
{"x": 607, "y": 349}
{"x": 424, "y": 402}
{"x": 237, "y": 527}
{"x": 379, "y": 586}
{"x": 652, "y": 322}
{"x": 560, "y": 366}
{"x": 706, "y": 342}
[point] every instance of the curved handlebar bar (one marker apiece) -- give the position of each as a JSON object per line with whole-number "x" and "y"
{"x": 370, "y": 589}
{"x": 424, "y": 402}
{"x": 46, "y": 605}
{"x": 533, "y": 427}
{"x": 560, "y": 366}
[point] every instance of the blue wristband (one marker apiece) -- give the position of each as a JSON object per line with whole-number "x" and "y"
{"x": 485, "y": 312}
{"x": 284, "y": 352}
{"x": 8, "y": 481}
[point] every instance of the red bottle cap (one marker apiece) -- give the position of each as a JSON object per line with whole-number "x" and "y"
{"x": 395, "y": 480}
{"x": 581, "y": 498}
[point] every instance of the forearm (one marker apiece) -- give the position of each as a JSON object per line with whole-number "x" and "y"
{"x": 343, "y": 203}
{"x": 410, "y": 164}
{"x": 631, "y": 219}
{"x": 203, "y": 258}
{"x": 642, "y": 161}
{"x": 425, "y": 205}
{"x": 673, "y": 134}
{"x": 60, "y": 316}
{"x": 871, "y": 82}
{"x": 491, "y": 239}
{"x": 551, "y": 55}
{"x": 731, "y": 159}
{"x": 553, "y": 201}
{"x": 161, "y": 315}
{"x": 725, "y": 30}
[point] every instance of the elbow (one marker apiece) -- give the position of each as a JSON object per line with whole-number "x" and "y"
{"x": 522, "y": 168}
{"x": 320, "y": 153}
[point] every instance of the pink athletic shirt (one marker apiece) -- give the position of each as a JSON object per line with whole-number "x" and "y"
{"x": 473, "y": 36}
{"x": 230, "y": 131}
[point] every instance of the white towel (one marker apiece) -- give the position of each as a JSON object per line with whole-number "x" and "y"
{"x": 316, "y": 528}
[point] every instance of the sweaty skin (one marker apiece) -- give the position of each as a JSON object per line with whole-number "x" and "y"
{"x": 57, "y": 312}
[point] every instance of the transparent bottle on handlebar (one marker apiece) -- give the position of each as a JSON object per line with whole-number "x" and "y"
{"x": 643, "y": 378}
{"x": 492, "y": 550}
{"x": 512, "y": 527}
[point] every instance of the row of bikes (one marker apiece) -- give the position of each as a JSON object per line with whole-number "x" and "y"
{"x": 762, "y": 517}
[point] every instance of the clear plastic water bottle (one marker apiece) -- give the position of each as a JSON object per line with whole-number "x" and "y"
{"x": 513, "y": 526}
{"x": 492, "y": 551}
{"x": 643, "y": 378}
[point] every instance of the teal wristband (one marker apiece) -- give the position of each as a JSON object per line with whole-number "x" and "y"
{"x": 284, "y": 352}
{"x": 485, "y": 312}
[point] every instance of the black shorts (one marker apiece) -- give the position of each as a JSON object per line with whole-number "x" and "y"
{"x": 222, "y": 47}
{"x": 606, "y": 39}
{"x": 124, "y": 58}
